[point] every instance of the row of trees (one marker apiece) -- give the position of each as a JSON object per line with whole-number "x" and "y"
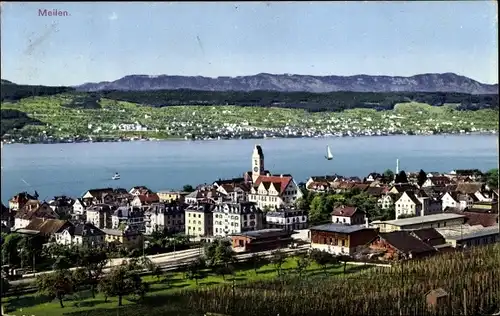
{"x": 332, "y": 101}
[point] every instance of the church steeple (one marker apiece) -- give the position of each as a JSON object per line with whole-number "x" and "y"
{"x": 257, "y": 162}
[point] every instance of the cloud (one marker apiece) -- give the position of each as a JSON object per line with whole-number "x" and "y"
{"x": 113, "y": 17}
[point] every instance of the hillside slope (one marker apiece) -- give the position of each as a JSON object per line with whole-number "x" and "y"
{"x": 446, "y": 82}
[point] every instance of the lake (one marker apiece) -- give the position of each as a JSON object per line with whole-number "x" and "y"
{"x": 72, "y": 169}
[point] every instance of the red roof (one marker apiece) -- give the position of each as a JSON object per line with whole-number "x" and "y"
{"x": 346, "y": 211}
{"x": 280, "y": 182}
{"x": 149, "y": 198}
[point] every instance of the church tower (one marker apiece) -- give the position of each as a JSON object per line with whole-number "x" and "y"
{"x": 257, "y": 162}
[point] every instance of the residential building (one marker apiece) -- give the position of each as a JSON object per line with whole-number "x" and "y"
{"x": 399, "y": 245}
{"x": 287, "y": 218}
{"x": 78, "y": 207}
{"x": 17, "y": 201}
{"x": 62, "y": 205}
{"x": 140, "y": 190}
{"x": 81, "y": 234}
{"x": 143, "y": 200}
{"x": 341, "y": 239}
{"x": 6, "y": 218}
{"x": 348, "y": 215}
{"x": 128, "y": 237}
{"x": 167, "y": 216}
{"x": 411, "y": 205}
{"x": 100, "y": 215}
{"x": 235, "y": 192}
{"x": 261, "y": 240}
{"x": 199, "y": 219}
{"x": 128, "y": 216}
{"x": 171, "y": 196}
{"x": 436, "y": 181}
{"x": 98, "y": 196}
{"x": 324, "y": 181}
{"x": 232, "y": 218}
{"x": 374, "y": 176}
{"x": 457, "y": 200}
{"x": 203, "y": 194}
{"x": 33, "y": 209}
{"x": 272, "y": 192}
{"x": 402, "y": 187}
{"x": 388, "y": 200}
{"x": 45, "y": 228}
{"x": 420, "y": 222}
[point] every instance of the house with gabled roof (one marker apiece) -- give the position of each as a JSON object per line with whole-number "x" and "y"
{"x": 97, "y": 196}
{"x": 18, "y": 200}
{"x": 45, "y": 227}
{"x": 143, "y": 200}
{"x": 411, "y": 205}
{"x": 31, "y": 210}
{"x": 81, "y": 234}
{"x": 436, "y": 181}
{"x": 274, "y": 191}
{"x": 348, "y": 215}
{"x": 140, "y": 190}
{"x": 399, "y": 245}
{"x": 402, "y": 187}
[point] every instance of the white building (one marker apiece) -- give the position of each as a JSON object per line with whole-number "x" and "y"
{"x": 165, "y": 217}
{"x": 128, "y": 216}
{"x": 411, "y": 205}
{"x": 274, "y": 192}
{"x": 233, "y": 218}
{"x": 81, "y": 235}
{"x": 99, "y": 215}
{"x": 348, "y": 215}
{"x": 287, "y": 218}
{"x": 78, "y": 207}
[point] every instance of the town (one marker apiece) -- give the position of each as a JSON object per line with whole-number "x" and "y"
{"x": 381, "y": 219}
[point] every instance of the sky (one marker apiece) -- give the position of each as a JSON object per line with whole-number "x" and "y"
{"x": 108, "y": 40}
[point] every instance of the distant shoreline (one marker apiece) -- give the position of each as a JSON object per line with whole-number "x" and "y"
{"x": 246, "y": 138}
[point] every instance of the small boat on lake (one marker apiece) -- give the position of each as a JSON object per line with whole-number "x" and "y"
{"x": 116, "y": 176}
{"x": 329, "y": 155}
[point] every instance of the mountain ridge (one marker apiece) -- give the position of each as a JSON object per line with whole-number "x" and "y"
{"x": 427, "y": 82}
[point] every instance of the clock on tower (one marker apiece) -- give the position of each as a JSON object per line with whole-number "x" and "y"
{"x": 255, "y": 169}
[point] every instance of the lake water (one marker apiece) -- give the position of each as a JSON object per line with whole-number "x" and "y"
{"x": 71, "y": 169}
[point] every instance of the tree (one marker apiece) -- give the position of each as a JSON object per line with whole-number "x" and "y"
{"x": 122, "y": 280}
{"x": 344, "y": 259}
{"x": 4, "y": 286}
{"x": 492, "y": 178}
{"x": 10, "y": 254}
{"x": 219, "y": 254}
{"x": 317, "y": 209}
{"x": 388, "y": 175}
{"x": 93, "y": 261}
{"x": 401, "y": 177}
{"x": 278, "y": 259}
{"x": 421, "y": 177}
{"x": 194, "y": 270}
{"x": 303, "y": 263}
{"x": 80, "y": 279}
{"x": 56, "y": 285}
{"x": 322, "y": 258}
{"x": 188, "y": 188}
{"x": 256, "y": 260}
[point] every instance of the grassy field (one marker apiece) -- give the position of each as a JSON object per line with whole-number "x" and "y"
{"x": 161, "y": 292}
{"x": 179, "y": 121}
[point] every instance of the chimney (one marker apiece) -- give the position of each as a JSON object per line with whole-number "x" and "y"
{"x": 366, "y": 222}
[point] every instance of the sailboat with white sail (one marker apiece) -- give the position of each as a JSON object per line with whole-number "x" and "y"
{"x": 329, "y": 155}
